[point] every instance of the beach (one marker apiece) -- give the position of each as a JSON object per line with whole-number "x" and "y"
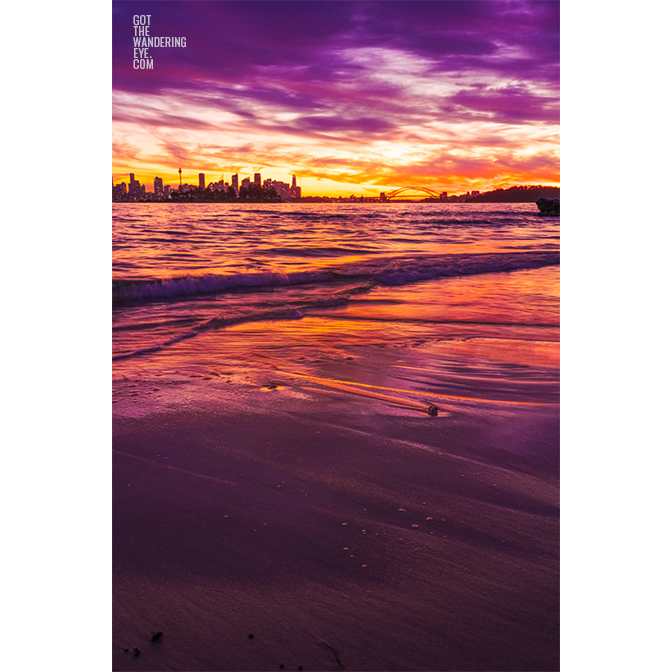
{"x": 360, "y": 470}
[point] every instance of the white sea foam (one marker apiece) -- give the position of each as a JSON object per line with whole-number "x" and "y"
{"x": 211, "y": 283}
{"x": 395, "y": 271}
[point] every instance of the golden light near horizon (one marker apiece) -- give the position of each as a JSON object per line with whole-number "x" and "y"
{"x": 334, "y": 165}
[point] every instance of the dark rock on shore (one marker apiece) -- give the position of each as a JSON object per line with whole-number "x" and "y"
{"x": 549, "y": 207}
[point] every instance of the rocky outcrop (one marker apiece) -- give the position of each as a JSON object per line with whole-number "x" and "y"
{"x": 549, "y": 207}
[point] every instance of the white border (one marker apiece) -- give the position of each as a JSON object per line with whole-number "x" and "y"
{"x": 56, "y": 495}
{"x": 615, "y": 584}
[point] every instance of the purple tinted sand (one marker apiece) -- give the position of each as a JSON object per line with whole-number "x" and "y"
{"x": 230, "y": 520}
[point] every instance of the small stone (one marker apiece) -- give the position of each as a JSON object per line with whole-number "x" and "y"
{"x": 156, "y": 636}
{"x": 250, "y": 636}
{"x": 282, "y": 666}
{"x": 136, "y": 652}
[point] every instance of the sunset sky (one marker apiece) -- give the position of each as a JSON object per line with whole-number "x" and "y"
{"x": 351, "y": 97}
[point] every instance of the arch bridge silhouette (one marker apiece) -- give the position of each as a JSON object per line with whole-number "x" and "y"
{"x": 402, "y": 190}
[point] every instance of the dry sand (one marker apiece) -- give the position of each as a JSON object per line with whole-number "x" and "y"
{"x": 338, "y": 530}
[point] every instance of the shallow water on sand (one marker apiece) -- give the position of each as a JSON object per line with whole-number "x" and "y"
{"x": 421, "y": 271}
{"x": 491, "y": 336}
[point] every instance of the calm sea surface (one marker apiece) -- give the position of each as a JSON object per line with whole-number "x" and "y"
{"x": 199, "y": 289}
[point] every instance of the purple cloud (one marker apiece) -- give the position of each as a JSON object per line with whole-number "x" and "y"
{"x": 509, "y": 105}
{"x": 290, "y": 43}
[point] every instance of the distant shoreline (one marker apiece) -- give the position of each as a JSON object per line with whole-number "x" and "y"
{"x": 324, "y": 199}
{"x": 327, "y": 202}
{"x": 518, "y": 194}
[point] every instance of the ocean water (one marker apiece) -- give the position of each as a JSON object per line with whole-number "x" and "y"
{"x": 461, "y": 299}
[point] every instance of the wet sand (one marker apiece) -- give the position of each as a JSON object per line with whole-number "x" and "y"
{"x": 338, "y": 529}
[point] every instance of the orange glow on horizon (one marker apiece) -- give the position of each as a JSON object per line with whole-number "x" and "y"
{"x": 455, "y": 157}
{"x": 315, "y": 186}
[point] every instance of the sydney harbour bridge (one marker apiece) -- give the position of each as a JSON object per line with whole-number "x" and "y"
{"x": 411, "y": 192}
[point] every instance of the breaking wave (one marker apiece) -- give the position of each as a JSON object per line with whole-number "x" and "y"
{"x": 386, "y": 271}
